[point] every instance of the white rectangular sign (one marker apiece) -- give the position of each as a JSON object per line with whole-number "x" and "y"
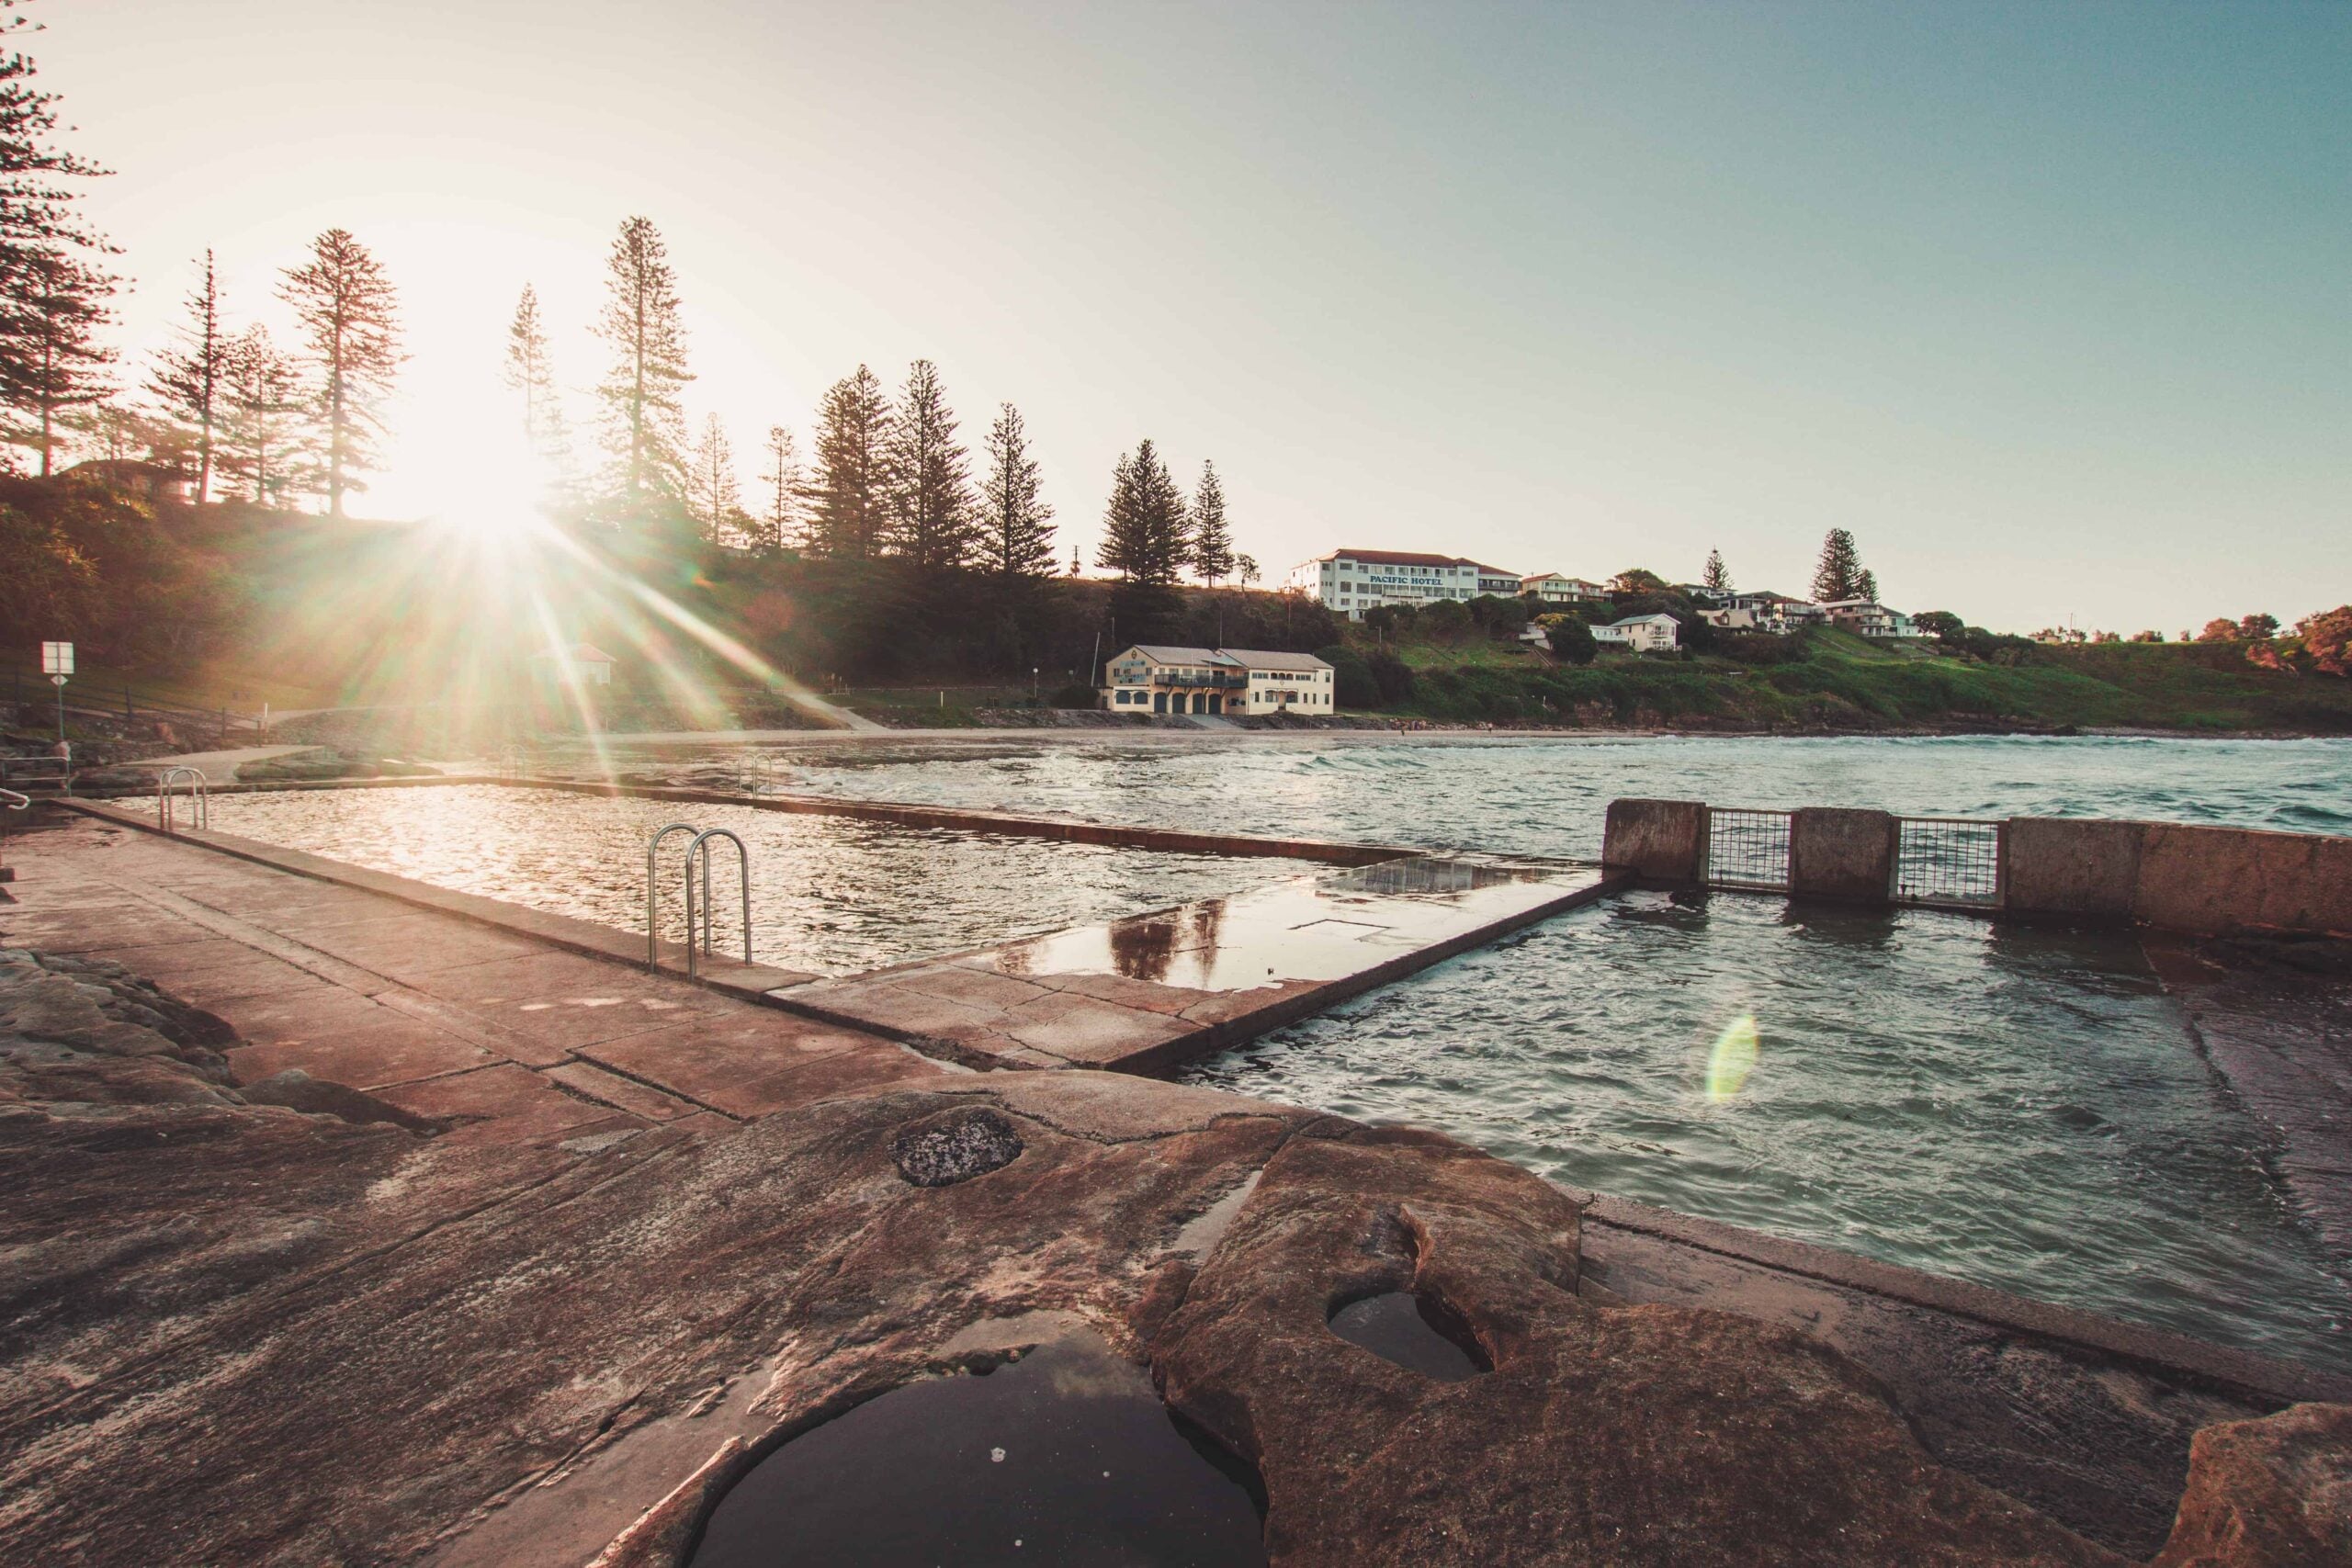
{"x": 57, "y": 658}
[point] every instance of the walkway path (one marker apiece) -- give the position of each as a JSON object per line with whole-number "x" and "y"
{"x": 220, "y": 767}
{"x": 826, "y": 713}
{"x": 436, "y": 1013}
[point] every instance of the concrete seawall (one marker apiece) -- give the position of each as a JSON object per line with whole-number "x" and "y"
{"x": 2203, "y": 881}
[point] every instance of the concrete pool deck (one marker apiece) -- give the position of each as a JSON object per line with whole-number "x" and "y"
{"x": 492, "y": 1027}
{"x": 550, "y": 1330}
{"x": 1137, "y": 995}
{"x": 1151, "y": 991}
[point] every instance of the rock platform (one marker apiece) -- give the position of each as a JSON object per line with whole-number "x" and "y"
{"x": 343, "y": 1230}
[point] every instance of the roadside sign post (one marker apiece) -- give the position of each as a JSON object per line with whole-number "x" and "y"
{"x": 57, "y": 663}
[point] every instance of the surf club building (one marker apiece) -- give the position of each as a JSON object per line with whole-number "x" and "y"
{"x": 1352, "y": 581}
{"x": 1216, "y": 681}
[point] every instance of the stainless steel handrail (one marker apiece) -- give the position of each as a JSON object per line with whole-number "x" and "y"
{"x": 698, "y": 851}
{"x": 199, "y": 798}
{"x": 653, "y": 898}
{"x": 13, "y": 801}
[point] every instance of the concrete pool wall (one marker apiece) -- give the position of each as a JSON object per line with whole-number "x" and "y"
{"x": 1141, "y": 994}
{"x": 1063, "y": 830}
{"x": 2203, "y": 881}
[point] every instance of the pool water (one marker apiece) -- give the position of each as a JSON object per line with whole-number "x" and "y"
{"x": 830, "y": 895}
{"x": 2018, "y": 1107}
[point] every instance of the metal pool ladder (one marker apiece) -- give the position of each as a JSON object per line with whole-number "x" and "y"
{"x": 13, "y": 801}
{"x": 199, "y": 798}
{"x": 698, "y": 851}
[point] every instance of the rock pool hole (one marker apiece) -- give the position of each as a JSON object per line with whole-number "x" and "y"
{"x": 1420, "y": 1332}
{"x": 1064, "y": 1457}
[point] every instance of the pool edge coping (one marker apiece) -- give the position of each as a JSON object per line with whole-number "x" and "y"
{"x": 2178, "y": 1354}
{"x": 1065, "y": 829}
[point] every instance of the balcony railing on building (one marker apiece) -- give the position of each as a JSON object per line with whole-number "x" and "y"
{"x": 1219, "y": 682}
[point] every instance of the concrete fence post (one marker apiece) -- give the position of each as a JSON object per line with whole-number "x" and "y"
{"x": 1658, "y": 840}
{"x": 1835, "y": 853}
{"x": 2078, "y": 867}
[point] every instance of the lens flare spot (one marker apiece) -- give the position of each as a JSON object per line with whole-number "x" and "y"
{"x": 1733, "y": 1059}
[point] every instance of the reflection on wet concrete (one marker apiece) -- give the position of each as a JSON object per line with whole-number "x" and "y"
{"x": 1065, "y": 1456}
{"x": 1311, "y": 928}
{"x": 1144, "y": 993}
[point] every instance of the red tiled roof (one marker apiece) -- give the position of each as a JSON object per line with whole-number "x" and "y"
{"x": 1403, "y": 558}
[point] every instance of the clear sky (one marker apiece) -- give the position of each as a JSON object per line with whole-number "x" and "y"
{"x": 2049, "y": 304}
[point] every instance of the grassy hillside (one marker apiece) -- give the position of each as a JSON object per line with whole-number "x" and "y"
{"x": 230, "y": 606}
{"x": 1835, "y": 681}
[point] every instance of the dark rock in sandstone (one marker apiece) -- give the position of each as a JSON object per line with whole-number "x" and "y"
{"x": 944, "y": 1150}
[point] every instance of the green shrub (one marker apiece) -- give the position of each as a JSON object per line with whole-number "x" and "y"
{"x": 1572, "y": 640}
{"x": 1352, "y": 685}
{"x": 1392, "y": 675}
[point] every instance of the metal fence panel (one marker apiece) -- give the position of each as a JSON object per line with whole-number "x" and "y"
{"x": 1943, "y": 859}
{"x": 1747, "y": 848}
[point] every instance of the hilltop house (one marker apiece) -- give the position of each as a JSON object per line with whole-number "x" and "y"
{"x": 1866, "y": 618}
{"x": 1352, "y": 581}
{"x": 1148, "y": 678}
{"x": 1760, "y": 611}
{"x": 1653, "y": 633}
{"x": 1739, "y": 612}
{"x": 1551, "y": 588}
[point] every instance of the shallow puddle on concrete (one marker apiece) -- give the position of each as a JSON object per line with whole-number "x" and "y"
{"x": 1397, "y": 1327}
{"x": 1313, "y": 929}
{"x": 1065, "y": 1457}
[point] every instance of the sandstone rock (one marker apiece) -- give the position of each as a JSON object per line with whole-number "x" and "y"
{"x": 1636, "y": 1435}
{"x": 2274, "y": 1493}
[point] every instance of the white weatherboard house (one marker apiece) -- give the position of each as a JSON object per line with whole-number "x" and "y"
{"x": 1653, "y": 633}
{"x": 1150, "y": 678}
{"x": 1352, "y": 581}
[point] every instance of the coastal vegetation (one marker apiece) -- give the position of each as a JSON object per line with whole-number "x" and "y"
{"x": 208, "y": 529}
{"x": 1830, "y": 679}
{"x": 161, "y": 590}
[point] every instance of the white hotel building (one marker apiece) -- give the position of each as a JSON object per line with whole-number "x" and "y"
{"x": 1352, "y": 581}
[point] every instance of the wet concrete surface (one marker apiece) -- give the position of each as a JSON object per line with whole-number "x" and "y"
{"x": 1062, "y": 1456}
{"x": 447, "y": 1017}
{"x": 1148, "y": 992}
{"x": 2274, "y": 1016}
